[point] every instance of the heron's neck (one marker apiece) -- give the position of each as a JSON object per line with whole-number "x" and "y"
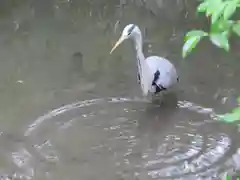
{"x": 139, "y": 47}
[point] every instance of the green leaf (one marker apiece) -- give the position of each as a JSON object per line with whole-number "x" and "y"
{"x": 226, "y": 33}
{"x": 238, "y": 100}
{"x": 220, "y": 40}
{"x": 236, "y": 111}
{"x": 226, "y": 177}
{"x": 221, "y": 25}
{"x": 213, "y": 6}
{"x": 203, "y": 7}
{"x": 236, "y": 28}
{"x": 191, "y": 40}
{"x": 193, "y": 33}
{"x": 189, "y": 45}
{"x": 230, "y": 9}
{"x": 231, "y": 117}
{"x": 218, "y": 12}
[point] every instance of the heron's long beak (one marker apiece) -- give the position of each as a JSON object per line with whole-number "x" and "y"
{"x": 121, "y": 39}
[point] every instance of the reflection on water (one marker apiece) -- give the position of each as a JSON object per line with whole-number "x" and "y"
{"x": 56, "y": 52}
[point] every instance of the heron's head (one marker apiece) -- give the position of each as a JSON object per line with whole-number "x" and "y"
{"x": 130, "y": 31}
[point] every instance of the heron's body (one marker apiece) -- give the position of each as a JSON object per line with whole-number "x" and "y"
{"x": 155, "y": 74}
{"x": 163, "y": 72}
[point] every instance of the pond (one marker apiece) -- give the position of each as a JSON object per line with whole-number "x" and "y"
{"x": 71, "y": 110}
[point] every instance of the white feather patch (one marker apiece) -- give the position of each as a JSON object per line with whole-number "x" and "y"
{"x": 146, "y": 79}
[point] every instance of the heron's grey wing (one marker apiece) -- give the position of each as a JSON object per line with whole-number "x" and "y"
{"x": 168, "y": 75}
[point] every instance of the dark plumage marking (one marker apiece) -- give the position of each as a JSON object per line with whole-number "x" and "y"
{"x": 140, "y": 69}
{"x": 158, "y": 87}
{"x": 131, "y": 29}
{"x": 156, "y": 76}
{"x": 138, "y": 76}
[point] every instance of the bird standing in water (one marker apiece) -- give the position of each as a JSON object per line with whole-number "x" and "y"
{"x": 155, "y": 73}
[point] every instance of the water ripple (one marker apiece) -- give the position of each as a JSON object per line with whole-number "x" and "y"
{"x": 129, "y": 138}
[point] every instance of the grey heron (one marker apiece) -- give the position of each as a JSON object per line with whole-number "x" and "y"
{"x": 155, "y": 73}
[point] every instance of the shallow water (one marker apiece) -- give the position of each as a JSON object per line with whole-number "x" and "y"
{"x": 54, "y": 53}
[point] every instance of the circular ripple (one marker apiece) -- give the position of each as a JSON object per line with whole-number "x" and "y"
{"x": 128, "y": 138}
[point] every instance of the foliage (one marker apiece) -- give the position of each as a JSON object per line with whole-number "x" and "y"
{"x": 219, "y": 12}
{"x": 234, "y": 115}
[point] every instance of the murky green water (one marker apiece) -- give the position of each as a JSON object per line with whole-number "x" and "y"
{"x": 55, "y": 53}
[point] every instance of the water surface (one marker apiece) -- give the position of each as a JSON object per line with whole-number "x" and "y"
{"x": 54, "y": 53}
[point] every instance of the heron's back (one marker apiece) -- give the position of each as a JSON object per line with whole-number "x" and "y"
{"x": 168, "y": 74}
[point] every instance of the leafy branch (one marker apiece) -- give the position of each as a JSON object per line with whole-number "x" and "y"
{"x": 222, "y": 27}
{"x": 232, "y": 116}
{"x": 219, "y": 12}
